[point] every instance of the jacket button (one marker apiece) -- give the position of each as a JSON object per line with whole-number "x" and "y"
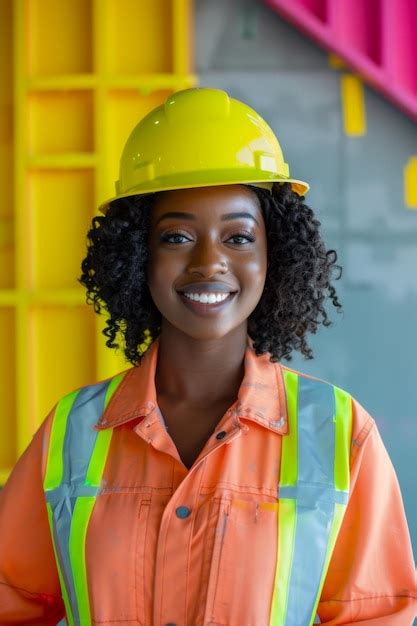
{"x": 182, "y": 512}
{"x": 221, "y": 434}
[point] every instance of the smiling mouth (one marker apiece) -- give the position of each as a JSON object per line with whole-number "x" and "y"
{"x": 206, "y": 307}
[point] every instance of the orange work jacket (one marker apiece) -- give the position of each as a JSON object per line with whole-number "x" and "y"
{"x": 146, "y": 564}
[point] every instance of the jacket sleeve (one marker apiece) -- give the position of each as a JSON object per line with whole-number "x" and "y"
{"x": 29, "y": 584}
{"x": 371, "y": 579}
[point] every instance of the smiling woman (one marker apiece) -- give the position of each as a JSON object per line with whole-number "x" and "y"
{"x": 264, "y": 245}
{"x": 262, "y": 248}
{"x": 208, "y": 484}
{"x": 211, "y": 252}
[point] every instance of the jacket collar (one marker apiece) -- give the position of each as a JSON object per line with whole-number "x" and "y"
{"x": 261, "y": 396}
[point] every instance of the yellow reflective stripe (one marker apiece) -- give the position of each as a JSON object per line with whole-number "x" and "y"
{"x": 80, "y": 518}
{"x": 287, "y": 523}
{"x": 114, "y": 383}
{"x": 69, "y": 616}
{"x": 287, "y": 517}
{"x": 289, "y": 456}
{"x": 55, "y": 465}
{"x": 101, "y": 448}
{"x": 343, "y": 434}
{"x": 98, "y": 458}
{"x": 339, "y": 512}
{"x": 83, "y": 509}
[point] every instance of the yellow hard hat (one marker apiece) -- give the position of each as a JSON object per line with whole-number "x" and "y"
{"x": 201, "y": 137}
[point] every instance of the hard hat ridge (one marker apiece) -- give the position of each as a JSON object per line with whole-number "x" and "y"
{"x": 213, "y": 103}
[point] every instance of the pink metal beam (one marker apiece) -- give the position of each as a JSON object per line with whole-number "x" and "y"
{"x": 377, "y": 38}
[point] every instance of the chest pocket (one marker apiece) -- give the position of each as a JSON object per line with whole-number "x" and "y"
{"x": 115, "y": 558}
{"x": 243, "y": 563}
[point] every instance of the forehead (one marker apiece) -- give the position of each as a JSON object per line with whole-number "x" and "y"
{"x": 208, "y": 202}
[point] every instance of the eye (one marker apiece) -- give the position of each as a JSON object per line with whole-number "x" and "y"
{"x": 177, "y": 234}
{"x": 244, "y": 235}
{"x": 166, "y": 237}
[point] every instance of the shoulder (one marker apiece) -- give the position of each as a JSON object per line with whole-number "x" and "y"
{"x": 82, "y": 406}
{"x": 90, "y": 390}
{"x": 363, "y": 424}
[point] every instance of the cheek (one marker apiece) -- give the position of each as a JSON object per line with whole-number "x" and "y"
{"x": 155, "y": 277}
{"x": 161, "y": 273}
{"x": 254, "y": 271}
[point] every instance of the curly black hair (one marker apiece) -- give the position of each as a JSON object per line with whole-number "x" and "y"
{"x": 298, "y": 280}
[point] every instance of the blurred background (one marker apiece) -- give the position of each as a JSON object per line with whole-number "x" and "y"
{"x": 336, "y": 80}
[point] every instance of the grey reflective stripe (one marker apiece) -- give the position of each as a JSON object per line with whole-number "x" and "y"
{"x": 315, "y": 496}
{"x": 86, "y": 410}
{"x": 80, "y": 438}
{"x": 310, "y": 495}
{"x": 316, "y": 445}
{"x": 65, "y": 495}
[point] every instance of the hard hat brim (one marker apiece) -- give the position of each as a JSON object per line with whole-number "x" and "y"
{"x": 298, "y": 186}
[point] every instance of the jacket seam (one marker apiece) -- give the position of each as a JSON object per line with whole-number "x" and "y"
{"x": 361, "y": 438}
{"x": 117, "y": 393}
{"x": 282, "y": 398}
{"x": 37, "y": 594}
{"x": 386, "y": 595}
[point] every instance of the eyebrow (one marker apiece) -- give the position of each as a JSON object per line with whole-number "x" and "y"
{"x": 190, "y": 216}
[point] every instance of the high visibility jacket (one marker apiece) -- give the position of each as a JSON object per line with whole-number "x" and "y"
{"x": 313, "y": 492}
{"x": 142, "y": 540}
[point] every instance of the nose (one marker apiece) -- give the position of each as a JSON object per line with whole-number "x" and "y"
{"x": 207, "y": 260}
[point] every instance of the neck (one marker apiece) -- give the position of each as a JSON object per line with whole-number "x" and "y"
{"x": 201, "y": 372}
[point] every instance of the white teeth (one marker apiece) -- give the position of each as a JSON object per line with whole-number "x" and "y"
{"x": 207, "y": 298}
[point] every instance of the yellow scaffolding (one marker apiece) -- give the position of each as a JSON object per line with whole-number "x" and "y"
{"x": 84, "y": 72}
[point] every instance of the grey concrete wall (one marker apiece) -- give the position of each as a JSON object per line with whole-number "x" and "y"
{"x": 357, "y": 191}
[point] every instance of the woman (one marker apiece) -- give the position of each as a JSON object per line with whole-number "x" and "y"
{"x": 208, "y": 483}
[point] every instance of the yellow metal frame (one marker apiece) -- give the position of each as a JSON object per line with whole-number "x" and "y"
{"x": 353, "y": 105}
{"x": 410, "y": 183}
{"x": 77, "y": 92}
